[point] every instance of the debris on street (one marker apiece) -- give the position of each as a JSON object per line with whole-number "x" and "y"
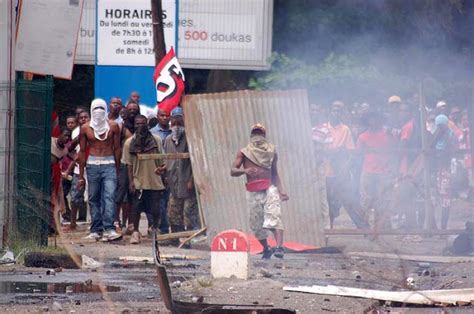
{"x": 427, "y": 297}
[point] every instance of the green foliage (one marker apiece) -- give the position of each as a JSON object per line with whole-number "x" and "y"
{"x": 21, "y": 246}
{"x": 293, "y": 73}
{"x": 367, "y": 50}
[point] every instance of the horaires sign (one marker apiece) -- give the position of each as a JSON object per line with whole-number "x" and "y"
{"x": 212, "y": 34}
{"x": 125, "y": 32}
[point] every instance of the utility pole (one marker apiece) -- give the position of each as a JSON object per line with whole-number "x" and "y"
{"x": 158, "y": 35}
{"x": 430, "y": 219}
{"x": 471, "y": 127}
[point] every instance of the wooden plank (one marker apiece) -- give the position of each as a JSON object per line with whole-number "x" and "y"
{"x": 418, "y": 258}
{"x": 175, "y": 235}
{"x": 163, "y": 156}
{"x": 450, "y": 296}
{"x": 192, "y": 237}
{"x": 329, "y": 232}
{"x": 149, "y": 259}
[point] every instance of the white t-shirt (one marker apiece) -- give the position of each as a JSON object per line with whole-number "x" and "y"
{"x": 56, "y": 151}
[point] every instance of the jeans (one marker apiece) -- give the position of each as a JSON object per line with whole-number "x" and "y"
{"x": 164, "y": 223}
{"x": 102, "y": 183}
{"x": 77, "y": 202}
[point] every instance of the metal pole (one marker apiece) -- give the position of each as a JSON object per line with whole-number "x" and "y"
{"x": 159, "y": 46}
{"x": 430, "y": 222}
{"x": 471, "y": 127}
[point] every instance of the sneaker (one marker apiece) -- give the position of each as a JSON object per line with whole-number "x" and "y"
{"x": 110, "y": 235}
{"x": 93, "y": 236}
{"x": 279, "y": 253}
{"x": 135, "y": 238}
{"x": 267, "y": 252}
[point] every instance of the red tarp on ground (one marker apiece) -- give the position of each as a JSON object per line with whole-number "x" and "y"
{"x": 256, "y": 247}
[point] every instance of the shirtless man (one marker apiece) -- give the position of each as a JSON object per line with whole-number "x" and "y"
{"x": 264, "y": 189}
{"x": 103, "y": 139}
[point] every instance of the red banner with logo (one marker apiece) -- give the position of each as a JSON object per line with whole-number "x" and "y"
{"x": 169, "y": 82}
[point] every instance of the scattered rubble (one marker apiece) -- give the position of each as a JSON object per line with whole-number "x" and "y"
{"x": 57, "y": 307}
{"x": 90, "y": 263}
{"x": 204, "y": 281}
{"x": 265, "y": 273}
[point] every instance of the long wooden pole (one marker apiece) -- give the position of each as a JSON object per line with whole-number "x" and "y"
{"x": 159, "y": 46}
{"x": 430, "y": 222}
{"x": 471, "y": 135}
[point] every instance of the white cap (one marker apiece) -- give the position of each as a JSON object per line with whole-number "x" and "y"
{"x": 441, "y": 104}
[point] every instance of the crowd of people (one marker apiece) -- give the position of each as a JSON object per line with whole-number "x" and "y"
{"x": 95, "y": 166}
{"x": 372, "y": 161}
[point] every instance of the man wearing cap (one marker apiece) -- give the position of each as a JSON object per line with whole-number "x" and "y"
{"x": 392, "y": 124}
{"x": 182, "y": 206}
{"x": 264, "y": 189}
{"x": 442, "y": 109}
{"x": 442, "y": 146}
{"x": 102, "y": 137}
{"x": 162, "y": 129}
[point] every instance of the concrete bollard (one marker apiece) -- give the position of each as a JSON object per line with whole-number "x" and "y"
{"x": 230, "y": 255}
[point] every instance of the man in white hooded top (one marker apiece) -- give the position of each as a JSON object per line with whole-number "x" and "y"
{"x": 102, "y": 137}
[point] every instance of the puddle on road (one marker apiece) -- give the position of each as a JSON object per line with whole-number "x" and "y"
{"x": 44, "y": 287}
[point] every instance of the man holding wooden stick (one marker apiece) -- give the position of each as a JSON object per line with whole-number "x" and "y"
{"x": 182, "y": 207}
{"x": 146, "y": 185}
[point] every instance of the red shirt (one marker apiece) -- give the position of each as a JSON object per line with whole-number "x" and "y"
{"x": 376, "y": 148}
{"x": 405, "y": 135}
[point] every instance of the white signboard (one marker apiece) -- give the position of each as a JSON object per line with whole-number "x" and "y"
{"x": 213, "y": 34}
{"x": 85, "y": 52}
{"x": 125, "y": 32}
{"x": 47, "y": 36}
{"x": 225, "y": 34}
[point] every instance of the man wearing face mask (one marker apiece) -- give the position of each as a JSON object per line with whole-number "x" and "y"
{"x": 132, "y": 111}
{"x": 264, "y": 189}
{"x": 102, "y": 137}
{"x": 182, "y": 206}
{"x": 145, "y": 181}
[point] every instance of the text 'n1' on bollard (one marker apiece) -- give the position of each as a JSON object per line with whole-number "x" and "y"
{"x": 230, "y": 255}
